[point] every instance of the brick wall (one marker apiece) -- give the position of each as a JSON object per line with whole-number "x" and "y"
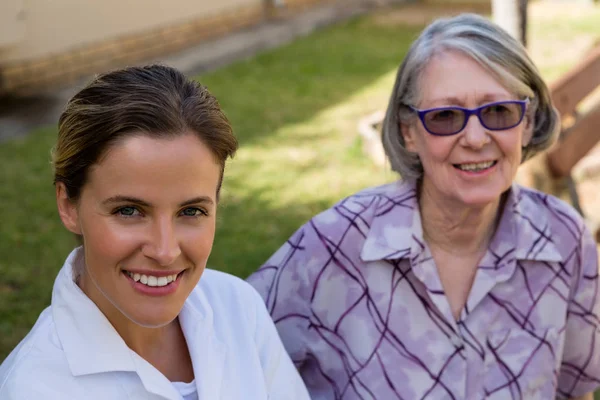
{"x": 68, "y": 66}
{"x": 303, "y": 4}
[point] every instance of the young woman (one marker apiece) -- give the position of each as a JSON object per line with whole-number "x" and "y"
{"x": 135, "y": 314}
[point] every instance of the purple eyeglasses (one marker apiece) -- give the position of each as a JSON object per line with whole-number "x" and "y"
{"x": 497, "y": 116}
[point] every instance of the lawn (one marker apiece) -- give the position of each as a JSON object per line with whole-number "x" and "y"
{"x": 294, "y": 110}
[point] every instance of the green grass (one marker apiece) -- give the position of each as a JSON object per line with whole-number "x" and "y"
{"x": 31, "y": 239}
{"x": 560, "y": 35}
{"x": 294, "y": 111}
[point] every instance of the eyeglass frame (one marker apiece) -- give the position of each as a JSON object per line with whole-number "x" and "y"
{"x": 468, "y": 112}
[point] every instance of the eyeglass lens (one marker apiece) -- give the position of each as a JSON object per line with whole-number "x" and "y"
{"x": 494, "y": 117}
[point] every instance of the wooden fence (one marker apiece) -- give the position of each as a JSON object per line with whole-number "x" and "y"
{"x": 580, "y": 132}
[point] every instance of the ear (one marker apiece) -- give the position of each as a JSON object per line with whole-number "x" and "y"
{"x": 528, "y": 129}
{"x": 408, "y": 134}
{"x": 67, "y": 209}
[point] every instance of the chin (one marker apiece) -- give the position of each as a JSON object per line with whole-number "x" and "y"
{"x": 479, "y": 199}
{"x": 482, "y": 195}
{"x": 153, "y": 318}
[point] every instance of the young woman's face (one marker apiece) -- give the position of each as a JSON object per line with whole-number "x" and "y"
{"x": 475, "y": 166}
{"x": 147, "y": 217}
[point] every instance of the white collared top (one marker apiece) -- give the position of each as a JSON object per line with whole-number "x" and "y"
{"x": 74, "y": 352}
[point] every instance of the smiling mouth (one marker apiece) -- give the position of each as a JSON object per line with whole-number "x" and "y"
{"x": 475, "y": 167}
{"x": 153, "y": 281}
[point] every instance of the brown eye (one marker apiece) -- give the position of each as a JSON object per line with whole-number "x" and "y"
{"x": 443, "y": 115}
{"x": 497, "y": 109}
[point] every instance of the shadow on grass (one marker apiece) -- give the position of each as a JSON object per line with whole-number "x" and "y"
{"x": 283, "y": 87}
{"x": 287, "y": 86}
{"x": 250, "y": 230}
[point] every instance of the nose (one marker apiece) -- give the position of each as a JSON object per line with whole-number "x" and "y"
{"x": 474, "y": 134}
{"x": 162, "y": 245}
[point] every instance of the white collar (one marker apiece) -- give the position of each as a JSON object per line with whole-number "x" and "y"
{"x": 92, "y": 345}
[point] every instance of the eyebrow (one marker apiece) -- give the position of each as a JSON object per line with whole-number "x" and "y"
{"x": 140, "y": 202}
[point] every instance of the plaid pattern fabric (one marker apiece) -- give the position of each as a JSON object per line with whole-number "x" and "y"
{"x": 358, "y": 302}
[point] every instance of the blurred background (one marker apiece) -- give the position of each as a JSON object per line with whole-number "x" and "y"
{"x": 304, "y": 83}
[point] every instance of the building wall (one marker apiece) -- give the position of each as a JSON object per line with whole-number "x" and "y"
{"x": 48, "y": 42}
{"x": 45, "y": 43}
{"x": 12, "y": 24}
{"x": 53, "y": 26}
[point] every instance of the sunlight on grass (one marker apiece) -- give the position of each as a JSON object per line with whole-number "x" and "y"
{"x": 300, "y": 151}
{"x": 317, "y": 160}
{"x": 295, "y": 112}
{"x": 559, "y": 36}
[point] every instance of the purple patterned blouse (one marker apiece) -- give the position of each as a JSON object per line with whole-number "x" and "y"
{"x": 359, "y": 305}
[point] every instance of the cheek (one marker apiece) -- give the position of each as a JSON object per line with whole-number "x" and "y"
{"x": 108, "y": 240}
{"x": 511, "y": 146}
{"x": 434, "y": 149}
{"x": 197, "y": 242}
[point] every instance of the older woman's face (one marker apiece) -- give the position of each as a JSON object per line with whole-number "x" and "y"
{"x": 453, "y": 79}
{"x": 147, "y": 216}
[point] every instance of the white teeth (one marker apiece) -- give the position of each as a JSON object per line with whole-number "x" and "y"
{"x": 476, "y": 166}
{"x": 162, "y": 281}
{"x": 152, "y": 280}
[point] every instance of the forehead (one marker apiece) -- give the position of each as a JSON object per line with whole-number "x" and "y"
{"x": 155, "y": 168}
{"x": 455, "y": 75}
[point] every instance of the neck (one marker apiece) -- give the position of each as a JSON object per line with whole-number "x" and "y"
{"x": 149, "y": 343}
{"x": 454, "y": 227}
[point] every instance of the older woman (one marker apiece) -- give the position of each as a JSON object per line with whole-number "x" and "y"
{"x": 454, "y": 282}
{"x": 135, "y": 314}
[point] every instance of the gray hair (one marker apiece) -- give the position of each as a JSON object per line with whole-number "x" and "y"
{"x": 494, "y": 49}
